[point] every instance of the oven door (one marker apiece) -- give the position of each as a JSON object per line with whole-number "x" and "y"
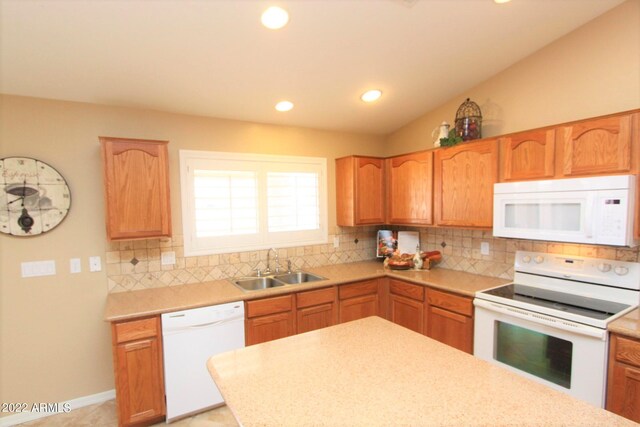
{"x": 566, "y": 356}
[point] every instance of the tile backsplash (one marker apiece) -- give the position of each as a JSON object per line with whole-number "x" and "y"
{"x": 133, "y": 265}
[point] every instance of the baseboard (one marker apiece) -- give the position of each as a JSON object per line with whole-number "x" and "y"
{"x": 79, "y": 402}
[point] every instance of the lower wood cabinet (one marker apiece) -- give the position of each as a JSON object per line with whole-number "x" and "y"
{"x": 316, "y": 309}
{"x": 623, "y": 387}
{"x": 449, "y": 319}
{"x": 358, "y": 300}
{"x": 138, "y": 369}
{"x": 269, "y": 319}
{"x": 406, "y": 304}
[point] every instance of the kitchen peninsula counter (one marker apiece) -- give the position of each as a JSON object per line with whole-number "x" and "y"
{"x": 129, "y": 305}
{"x": 371, "y": 372}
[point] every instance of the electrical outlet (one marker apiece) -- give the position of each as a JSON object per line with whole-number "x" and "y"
{"x": 336, "y": 241}
{"x": 484, "y": 248}
{"x": 95, "y": 263}
{"x": 75, "y": 265}
{"x": 168, "y": 258}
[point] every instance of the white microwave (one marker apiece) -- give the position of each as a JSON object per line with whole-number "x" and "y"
{"x": 596, "y": 210}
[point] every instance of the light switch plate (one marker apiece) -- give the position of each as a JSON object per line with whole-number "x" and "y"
{"x": 38, "y": 268}
{"x": 336, "y": 241}
{"x": 168, "y": 258}
{"x": 95, "y": 263}
{"x": 484, "y": 248}
{"x": 75, "y": 265}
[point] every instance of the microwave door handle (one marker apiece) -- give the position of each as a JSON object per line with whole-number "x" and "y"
{"x": 588, "y": 216}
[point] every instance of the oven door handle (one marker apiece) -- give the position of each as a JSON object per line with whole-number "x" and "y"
{"x": 542, "y": 319}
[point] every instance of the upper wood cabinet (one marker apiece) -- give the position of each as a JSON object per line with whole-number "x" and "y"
{"x": 527, "y": 155}
{"x": 136, "y": 179}
{"x": 410, "y": 189}
{"x": 359, "y": 191}
{"x": 463, "y": 184}
{"x": 601, "y": 146}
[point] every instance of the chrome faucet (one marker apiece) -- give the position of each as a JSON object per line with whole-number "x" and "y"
{"x": 277, "y": 266}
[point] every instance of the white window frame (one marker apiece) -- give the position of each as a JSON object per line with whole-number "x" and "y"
{"x": 262, "y": 163}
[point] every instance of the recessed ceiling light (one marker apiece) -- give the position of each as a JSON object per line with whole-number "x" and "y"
{"x": 284, "y": 106}
{"x": 371, "y": 95}
{"x": 501, "y": 1}
{"x": 275, "y": 18}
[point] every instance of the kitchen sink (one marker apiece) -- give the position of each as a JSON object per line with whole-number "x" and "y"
{"x": 272, "y": 281}
{"x": 257, "y": 283}
{"x": 298, "y": 277}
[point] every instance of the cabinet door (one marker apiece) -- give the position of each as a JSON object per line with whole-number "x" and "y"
{"x": 137, "y": 188}
{"x": 406, "y": 312}
{"x": 623, "y": 388}
{"x": 607, "y": 145}
{"x": 528, "y": 155}
{"x": 358, "y": 308}
{"x": 269, "y": 327}
{"x": 139, "y": 381}
{"x": 410, "y": 188}
{"x": 369, "y": 191}
{"x": 463, "y": 184}
{"x": 315, "y": 317}
{"x": 450, "y": 328}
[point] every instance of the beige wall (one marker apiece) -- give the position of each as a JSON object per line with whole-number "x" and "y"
{"x": 54, "y": 343}
{"x": 589, "y": 72}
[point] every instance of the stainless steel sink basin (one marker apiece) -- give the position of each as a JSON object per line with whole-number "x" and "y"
{"x": 257, "y": 283}
{"x": 272, "y": 281}
{"x": 298, "y": 277}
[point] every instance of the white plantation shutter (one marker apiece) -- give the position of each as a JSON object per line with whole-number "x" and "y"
{"x": 235, "y": 202}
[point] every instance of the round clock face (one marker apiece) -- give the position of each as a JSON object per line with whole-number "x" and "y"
{"x": 34, "y": 199}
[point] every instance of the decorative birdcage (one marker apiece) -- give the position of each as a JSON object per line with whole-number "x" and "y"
{"x": 469, "y": 121}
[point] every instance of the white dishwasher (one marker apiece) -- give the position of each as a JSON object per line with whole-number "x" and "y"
{"x": 190, "y": 338}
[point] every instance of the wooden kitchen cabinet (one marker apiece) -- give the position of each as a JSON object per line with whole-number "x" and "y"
{"x": 358, "y": 300}
{"x": 623, "y": 387}
{"x": 527, "y": 155}
{"x": 138, "y": 369}
{"x": 449, "y": 319}
{"x": 316, "y": 309}
{"x": 136, "y": 180}
{"x": 406, "y": 304}
{"x": 410, "y": 189}
{"x": 269, "y": 319}
{"x": 359, "y": 191}
{"x": 463, "y": 184}
{"x": 600, "y": 146}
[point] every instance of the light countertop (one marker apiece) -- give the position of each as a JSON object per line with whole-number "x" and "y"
{"x": 371, "y": 372}
{"x": 128, "y": 305}
{"x": 628, "y": 325}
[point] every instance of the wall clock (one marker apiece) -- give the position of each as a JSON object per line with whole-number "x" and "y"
{"x": 34, "y": 198}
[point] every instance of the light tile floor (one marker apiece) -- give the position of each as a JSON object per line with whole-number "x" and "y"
{"x": 104, "y": 415}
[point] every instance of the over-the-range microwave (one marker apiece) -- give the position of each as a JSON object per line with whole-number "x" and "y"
{"x": 595, "y": 210}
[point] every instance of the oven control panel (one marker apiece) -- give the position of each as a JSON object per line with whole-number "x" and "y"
{"x": 621, "y": 274}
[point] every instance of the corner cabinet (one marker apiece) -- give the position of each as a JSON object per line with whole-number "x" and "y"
{"x": 138, "y": 369}
{"x": 623, "y": 387}
{"x": 527, "y": 155}
{"x": 359, "y": 191}
{"x": 463, "y": 184}
{"x": 601, "y": 146}
{"x": 136, "y": 179}
{"x": 410, "y": 189}
{"x": 406, "y": 305}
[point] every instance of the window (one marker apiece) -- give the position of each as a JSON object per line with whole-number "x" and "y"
{"x": 235, "y": 202}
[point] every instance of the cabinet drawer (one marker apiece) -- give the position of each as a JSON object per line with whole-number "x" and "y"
{"x": 455, "y": 303}
{"x": 628, "y": 351}
{"x": 408, "y": 290}
{"x": 315, "y": 297}
{"x": 269, "y": 306}
{"x": 136, "y": 329}
{"x": 358, "y": 289}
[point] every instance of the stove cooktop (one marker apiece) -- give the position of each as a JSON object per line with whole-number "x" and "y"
{"x": 562, "y": 302}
